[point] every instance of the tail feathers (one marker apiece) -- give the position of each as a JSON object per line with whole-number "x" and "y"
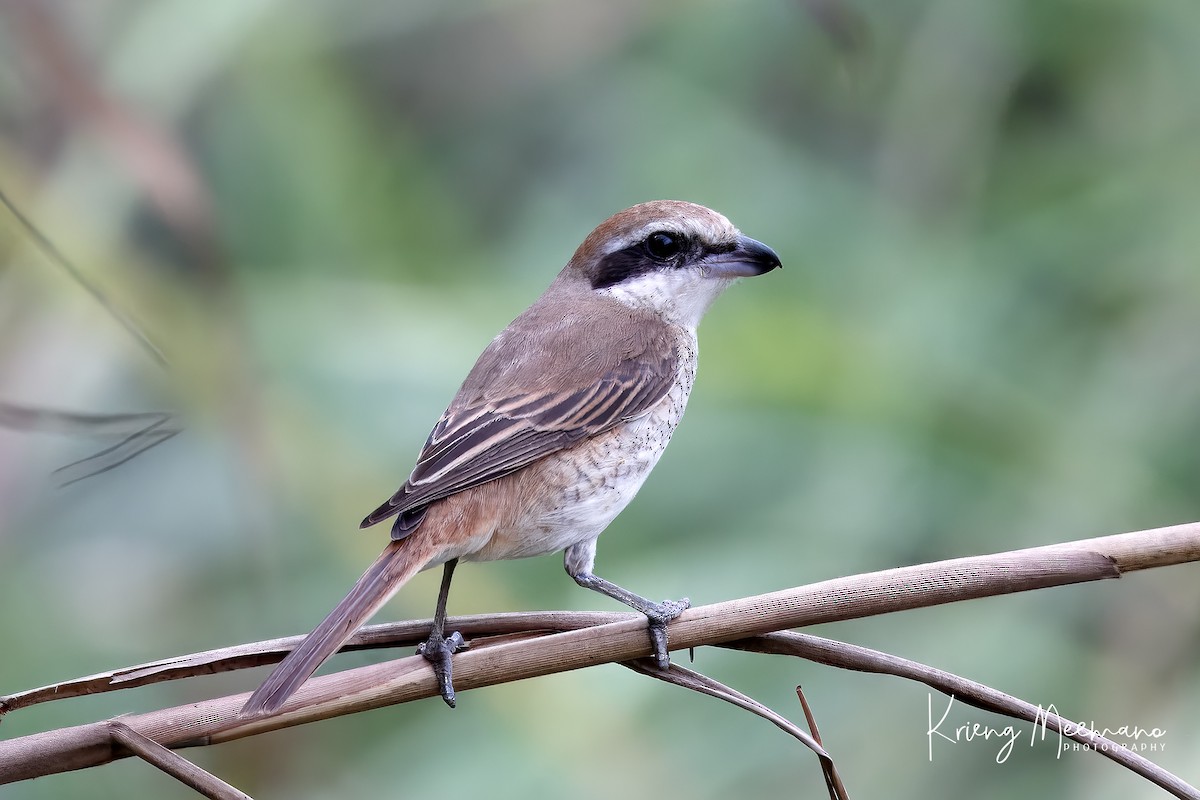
{"x": 394, "y": 567}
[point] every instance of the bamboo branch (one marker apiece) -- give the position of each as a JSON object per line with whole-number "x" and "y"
{"x": 406, "y": 679}
{"x": 407, "y": 633}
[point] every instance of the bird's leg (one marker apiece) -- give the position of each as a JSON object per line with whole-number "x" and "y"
{"x": 439, "y": 648}
{"x": 659, "y": 614}
{"x": 579, "y": 561}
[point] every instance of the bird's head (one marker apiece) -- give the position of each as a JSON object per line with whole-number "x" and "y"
{"x": 669, "y": 256}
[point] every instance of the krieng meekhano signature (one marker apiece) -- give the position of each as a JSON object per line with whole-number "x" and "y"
{"x": 1131, "y": 737}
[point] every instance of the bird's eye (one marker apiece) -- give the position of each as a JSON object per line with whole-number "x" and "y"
{"x": 663, "y": 246}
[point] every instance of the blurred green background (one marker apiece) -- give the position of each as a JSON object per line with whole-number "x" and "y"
{"x": 984, "y": 339}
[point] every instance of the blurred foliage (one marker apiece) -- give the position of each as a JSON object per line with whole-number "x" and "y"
{"x": 984, "y": 338}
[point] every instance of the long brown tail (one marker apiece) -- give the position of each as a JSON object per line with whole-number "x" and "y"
{"x": 396, "y": 564}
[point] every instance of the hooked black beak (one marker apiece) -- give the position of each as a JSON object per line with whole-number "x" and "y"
{"x": 747, "y": 258}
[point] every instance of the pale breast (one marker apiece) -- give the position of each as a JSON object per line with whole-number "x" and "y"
{"x": 577, "y": 492}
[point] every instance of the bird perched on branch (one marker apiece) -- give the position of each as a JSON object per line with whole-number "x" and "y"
{"x": 555, "y": 428}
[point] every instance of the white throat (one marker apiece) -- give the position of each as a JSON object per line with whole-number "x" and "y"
{"x": 680, "y": 296}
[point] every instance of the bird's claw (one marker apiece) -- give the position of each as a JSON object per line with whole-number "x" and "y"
{"x": 438, "y": 650}
{"x": 659, "y": 615}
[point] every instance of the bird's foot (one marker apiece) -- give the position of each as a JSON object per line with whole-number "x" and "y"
{"x": 438, "y": 650}
{"x": 659, "y": 615}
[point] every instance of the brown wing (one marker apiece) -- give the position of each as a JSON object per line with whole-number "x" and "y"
{"x": 483, "y": 436}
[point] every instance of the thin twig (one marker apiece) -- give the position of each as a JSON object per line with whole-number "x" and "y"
{"x": 864, "y": 659}
{"x": 152, "y": 441}
{"x": 698, "y": 682}
{"x": 174, "y": 764}
{"x": 37, "y": 418}
{"x": 145, "y": 431}
{"x": 55, "y": 255}
{"x": 808, "y": 715}
{"x": 836, "y": 787}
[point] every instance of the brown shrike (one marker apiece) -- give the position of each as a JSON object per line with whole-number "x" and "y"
{"x": 555, "y": 428}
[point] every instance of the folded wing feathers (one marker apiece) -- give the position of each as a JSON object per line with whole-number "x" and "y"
{"x": 483, "y": 441}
